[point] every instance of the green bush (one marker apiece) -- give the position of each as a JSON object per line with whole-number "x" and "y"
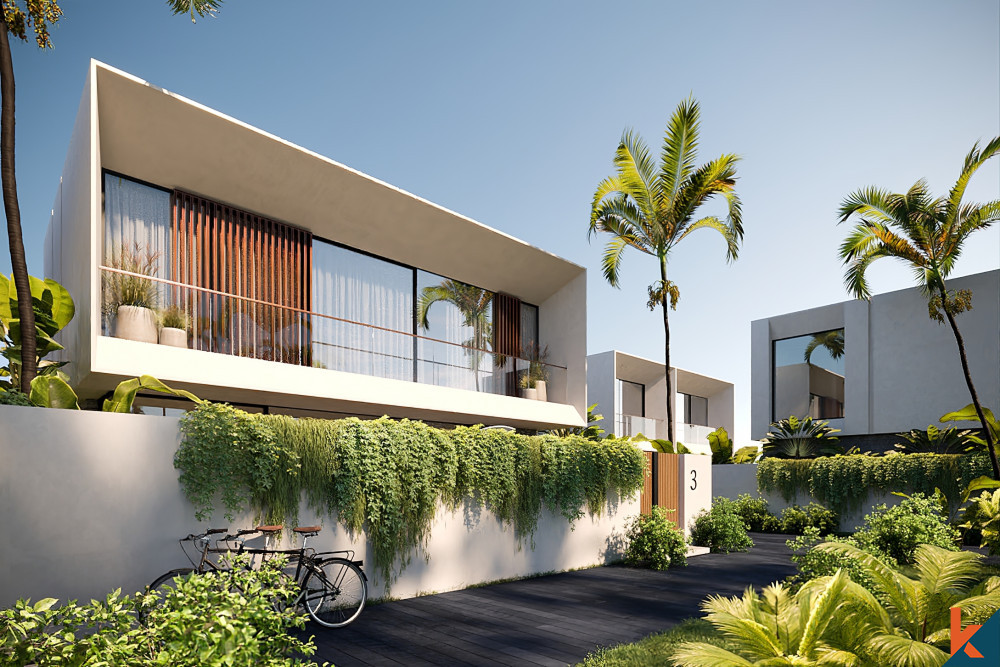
{"x": 795, "y": 520}
{"x": 14, "y": 397}
{"x": 842, "y": 483}
{"x": 753, "y": 510}
{"x": 721, "y": 528}
{"x": 386, "y": 477}
{"x": 206, "y": 621}
{"x": 654, "y": 541}
{"x": 813, "y": 563}
{"x": 895, "y": 532}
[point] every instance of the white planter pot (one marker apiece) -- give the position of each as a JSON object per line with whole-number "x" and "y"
{"x": 136, "y": 323}
{"x": 173, "y": 337}
{"x": 540, "y": 390}
{"x": 531, "y": 392}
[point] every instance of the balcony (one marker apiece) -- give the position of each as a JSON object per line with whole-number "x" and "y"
{"x": 630, "y": 425}
{"x": 693, "y": 434}
{"x": 222, "y": 323}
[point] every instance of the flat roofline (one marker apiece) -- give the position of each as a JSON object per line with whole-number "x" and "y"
{"x": 646, "y": 360}
{"x": 137, "y": 80}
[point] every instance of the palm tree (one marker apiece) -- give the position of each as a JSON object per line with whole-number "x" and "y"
{"x": 833, "y": 341}
{"x": 474, "y": 303}
{"x": 928, "y": 234}
{"x": 652, "y": 207}
{"x": 37, "y": 15}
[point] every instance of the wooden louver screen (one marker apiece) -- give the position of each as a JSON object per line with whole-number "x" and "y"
{"x": 507, "y": 338}
{"x": 228, "y": 250}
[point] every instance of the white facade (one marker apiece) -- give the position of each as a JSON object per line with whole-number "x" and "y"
{"x": 129, "y": 127}
{"x": 607, "y": 375}
{"x": 901, "y": 370}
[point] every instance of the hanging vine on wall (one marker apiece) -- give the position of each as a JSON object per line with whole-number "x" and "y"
{"x": 842, "y": 483}
{"x": 386, "y": 477}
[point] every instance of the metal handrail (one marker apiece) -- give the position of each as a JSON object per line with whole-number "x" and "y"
{"x": 302, "y": 311}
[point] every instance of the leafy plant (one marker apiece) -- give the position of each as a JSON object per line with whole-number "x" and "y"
{"x": 206, "y": 620}
{"x": 775, "y": 627}
{"x": 842, "y": 483}
{"x": 795, "y": 520}
{"x": 591, "y": 432}
{"x": 753, "y": 510}
{"x": 53, "y": 309}
{"x": 49, "y": 391}
{"x": 663, "y": 446}
{"x": 936, "y": 441}
{"x": 896, "y": 531}
{"x": 722, "y": 449}
{"x": 720, "y": 528}
{"x": 174, "y": 317}
{"x": 122, "y": 289}
{"x": 968, "y": 413}
{"x": 983, "y": 516}
{"x": 812, "y": 563}
{"x": 795, "y": 438}
{"x": 14, "y": 397}
{"x": 387, "y": 477}
{"x": 654, "y": 541}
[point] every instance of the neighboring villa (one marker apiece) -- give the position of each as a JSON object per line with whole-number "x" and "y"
{"x": 875, "y": 368}
{"x": 631, "y": 394}
{"x": 296, "y": 285}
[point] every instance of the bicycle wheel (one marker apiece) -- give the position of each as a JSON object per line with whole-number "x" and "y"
{"x": 335, "y": 592}
{"x": 162, "y": 586}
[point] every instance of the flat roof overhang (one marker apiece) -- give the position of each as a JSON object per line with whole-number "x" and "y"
{"x": 157, "y": 136}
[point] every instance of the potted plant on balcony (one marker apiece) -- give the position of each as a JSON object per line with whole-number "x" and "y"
{"x": 538, "y": 371}
{"x": 128, "y": 297}
{"x": 528, "y": 388}
{"x": 174, "y": 322}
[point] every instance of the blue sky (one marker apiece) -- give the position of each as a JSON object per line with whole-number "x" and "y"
{"x": 510, "y": 113}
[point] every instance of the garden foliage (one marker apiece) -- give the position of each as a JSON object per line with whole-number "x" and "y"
{"x": 209, "y": 620}
{"x": 386, "y": 476}
{"x": 842, "y": 483}
{"x": 721, "y": 528}
{"x": 654, "y": 541}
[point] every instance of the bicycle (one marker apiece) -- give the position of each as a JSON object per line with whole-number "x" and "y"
{"x": 333, "y": 588}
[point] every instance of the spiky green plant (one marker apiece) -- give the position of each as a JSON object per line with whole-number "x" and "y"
{"x": 927, "y": 234}
{"x": 652, "y": 207}
{"x": 795, "y": 438}
{"x": 936, "y": 441}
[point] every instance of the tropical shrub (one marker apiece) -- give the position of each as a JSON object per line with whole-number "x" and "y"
{"x": 834, "y": 620}
{"x": 720, "y": 528}
{"x": 753, "y": 511}
{"x": 53, "y": 308}
{"x": 936, "y": 441}
{"x": 722, "y": 449}
{"x": 982, "y": 516}
{"x": 795, "y": 520}
{"x": 206, "y": 620}
{"x": 842, "y": 483}
{"x": 654, "y": 541}
{"x": 812, "y": 563}
{"x": 387, "y": 477}
{"x": 14, "y": 397}
{"x": 795, "y": 438}
{"x": 896, "y": 532}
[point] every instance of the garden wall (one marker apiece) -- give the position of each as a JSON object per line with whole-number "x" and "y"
{"x": 730, "y": 480}
{"x": 91, "y": 503}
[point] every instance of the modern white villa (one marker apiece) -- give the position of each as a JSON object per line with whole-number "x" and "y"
{"x": 294, "y": 284}
{"x": 875, "y": 368}
{"x": 631, "y": 394}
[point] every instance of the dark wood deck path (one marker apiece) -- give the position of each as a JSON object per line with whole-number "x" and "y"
{"x": 553, "y": 620}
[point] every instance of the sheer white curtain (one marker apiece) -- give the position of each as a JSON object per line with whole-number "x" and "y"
{"x": 368, "y": 291}
{"x": 136, "y": 224}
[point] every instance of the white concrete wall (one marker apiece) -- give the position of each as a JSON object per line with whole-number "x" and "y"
{"x": 696, "y": 485}
{"x": 601, "y": 387}
{"x": 92, "y": 503}
{"x": 902, "y": 370}
{"x": 562, "y": 326}
{"x": 732, "y": 479}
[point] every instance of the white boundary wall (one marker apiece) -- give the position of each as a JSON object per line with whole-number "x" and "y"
{"x": 730, "y": 480}
{"x": 91, "y": 503}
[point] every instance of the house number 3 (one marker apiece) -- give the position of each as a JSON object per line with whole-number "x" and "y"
{"x": 694, "y": 480}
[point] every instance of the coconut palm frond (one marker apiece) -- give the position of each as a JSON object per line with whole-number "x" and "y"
{"x": 680, "y": 147}
{"x": 699, "y": 654}
{"x": 833, "y": 341}
{"x": 902, "y": 651}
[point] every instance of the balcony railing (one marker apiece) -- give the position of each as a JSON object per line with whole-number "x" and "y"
{"x": 694, "y": 434}
{"x": 247, "y": 327}
{"x": 629, "y": 425}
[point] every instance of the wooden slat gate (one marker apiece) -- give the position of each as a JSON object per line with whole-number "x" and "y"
{"x": 662, "y": 484}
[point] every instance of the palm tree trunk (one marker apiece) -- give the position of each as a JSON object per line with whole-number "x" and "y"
{"x": 18, "y": 264}
{"x": 972, "y": 390}
{"x": 666, "y": 350}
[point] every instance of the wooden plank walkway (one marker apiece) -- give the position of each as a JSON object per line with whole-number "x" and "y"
{"x": 549, "y": 621}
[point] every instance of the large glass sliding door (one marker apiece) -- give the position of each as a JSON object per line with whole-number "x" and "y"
{"x": 372, "y": 300}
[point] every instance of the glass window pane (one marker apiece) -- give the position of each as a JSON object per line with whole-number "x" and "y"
{"x": 529, "y": 330}
{"x": 808, "y": 376}
{"x": 455, "y": 324}
{"x": 633, "y": 398}
{"x": 373, "y": 301}
{"x": 695, "y": 410}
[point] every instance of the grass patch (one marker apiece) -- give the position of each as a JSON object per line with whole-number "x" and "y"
{"x": 655, "y": 649}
